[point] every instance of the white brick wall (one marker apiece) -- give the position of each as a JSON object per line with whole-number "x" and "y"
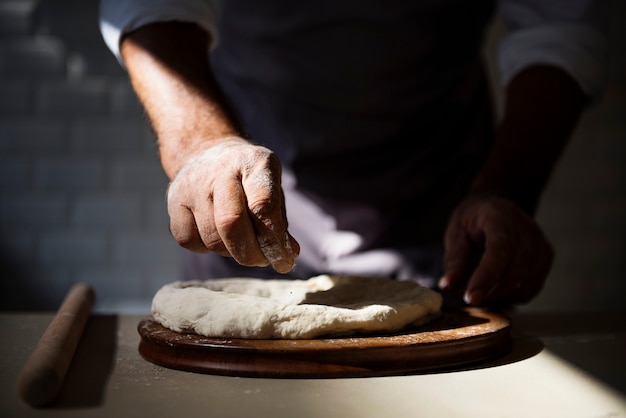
{"x": 13, "y": 173}
{"x": 15, "y": 16}
{"x": 106, "y": 211}
{"x": 15, "y": 96}
{"x": 61, "y": 247}
{"x": 108, "y": 136}
{"x": 82, "y": 192}
{"x": 33, "y": 56}
{"x": 69, "y": 173}
{"x": 28, "y": 211}
{"x": 81, "y": 189}
{"x": 31, "y": 136}
{"x": 76, "y": 98}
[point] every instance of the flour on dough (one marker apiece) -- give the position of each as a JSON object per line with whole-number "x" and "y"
{"x": 293, "y": 309}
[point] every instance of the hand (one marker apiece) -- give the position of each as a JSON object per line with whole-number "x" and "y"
{"x": 225, "y": 195}
{"x": 228, "y": 200}
{"x": 495, "y": 250}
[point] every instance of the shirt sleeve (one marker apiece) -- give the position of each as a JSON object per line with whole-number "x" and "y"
{"x": 118, "y": 17}
{"x": 570, "y": 34}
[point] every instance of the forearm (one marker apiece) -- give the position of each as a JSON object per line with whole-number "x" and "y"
{"x": 543, "y": 105}
{"x": 169, "y": 69}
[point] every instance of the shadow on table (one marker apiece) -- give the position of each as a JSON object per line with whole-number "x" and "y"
{"x": 522, "y": 348}
{"x": 593, "y": 341}
{"x": 93, "y": 362}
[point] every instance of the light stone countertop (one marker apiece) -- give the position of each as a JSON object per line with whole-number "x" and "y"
{"x": 562, "y": 365}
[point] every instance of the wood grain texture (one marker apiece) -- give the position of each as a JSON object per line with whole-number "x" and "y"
{"x": 458, "y": 337}
{"x": 41, "y": 377}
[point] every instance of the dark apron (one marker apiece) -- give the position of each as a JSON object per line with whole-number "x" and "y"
{"x": 379, "y": 112}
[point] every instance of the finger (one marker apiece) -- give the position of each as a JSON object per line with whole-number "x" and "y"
{"x": 290, "y": 242}
{"x": 459, "y": 258}
{"x": 267, "y": 208}
{"x": 184, "y": 230}
{"x": 295, "y": 246}
{"x": 498, "y": 253}
{"x": 275, "y": 242}
{"x": 539, "y": 261}
{"x": 207, "y": 230}
{"x": 234, "y": 226}
{"x": 194, "y": 229}
{"x": 527, "y": 271}
{"x": 513, "y": 281}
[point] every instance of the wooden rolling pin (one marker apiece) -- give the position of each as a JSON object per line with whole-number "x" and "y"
{"x": 42, "y": 376}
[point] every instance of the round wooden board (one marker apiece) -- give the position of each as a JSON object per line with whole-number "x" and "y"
{"x": 456, "y": 338}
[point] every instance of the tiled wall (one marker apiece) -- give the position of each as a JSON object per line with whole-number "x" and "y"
{"x": 81, "y": 189}
{"x": 82, "y": 192}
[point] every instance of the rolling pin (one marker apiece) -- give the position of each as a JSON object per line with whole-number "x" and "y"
{"x": 41, "y": 378}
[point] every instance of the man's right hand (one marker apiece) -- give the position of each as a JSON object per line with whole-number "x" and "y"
{"x": 225, "y": 194}
{"x": 228, "y": 200}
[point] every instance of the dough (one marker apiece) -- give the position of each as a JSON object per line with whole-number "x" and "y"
{"x": 293, "y": 309}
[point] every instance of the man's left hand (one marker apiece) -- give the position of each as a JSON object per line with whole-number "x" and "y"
{"x": 494, "y": 251}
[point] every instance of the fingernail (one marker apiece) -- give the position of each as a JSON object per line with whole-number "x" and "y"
{"x": 444, "y": 283}
{"x": 283, "y": 266}
{"x": 473, "y": 297}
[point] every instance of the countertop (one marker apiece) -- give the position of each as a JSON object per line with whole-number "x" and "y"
{"x": 561, "y": 365}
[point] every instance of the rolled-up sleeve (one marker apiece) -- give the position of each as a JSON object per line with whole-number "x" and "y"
{"x": 118, "y": 17}
{"x": 570, "y": 34}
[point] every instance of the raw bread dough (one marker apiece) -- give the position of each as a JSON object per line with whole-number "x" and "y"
{"x": 293, "y": 309}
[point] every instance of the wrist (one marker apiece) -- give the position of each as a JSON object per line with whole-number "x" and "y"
{"x": 516, "y": 189}
{"x": 542, "y": 107}
{"x": 176, "y": 87}
{"x": 178, "y": 152}
{"x": 524, "y": 203}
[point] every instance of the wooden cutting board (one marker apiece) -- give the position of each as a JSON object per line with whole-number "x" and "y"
{"x": 457, "y": 338}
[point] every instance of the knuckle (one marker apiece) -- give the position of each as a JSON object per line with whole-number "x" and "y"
{"x": 190, "y": 238}
{"x": 262, "y": 208}
{"x": 212, "y": 241}
{"x": 185, "y": 239}
{"x": 228, "y": 221}
{"x": 178, "y": 232}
